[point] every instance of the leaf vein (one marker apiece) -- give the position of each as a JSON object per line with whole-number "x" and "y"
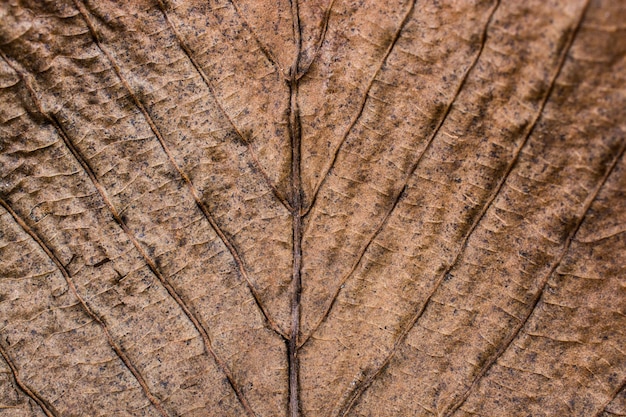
{"x": 543, "y": 283}
{"x": 361, "y": 389}
{"x": 116, "y": 348}
{"x": 358, "y": 115}
{"x": 36, "y": 397}
{"x": 149, "y": 262}
{"x": 189, "y": 53}
{"x": 403, "y": 191}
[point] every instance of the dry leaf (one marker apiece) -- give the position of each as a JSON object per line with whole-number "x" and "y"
{"x": 314, "y": 208}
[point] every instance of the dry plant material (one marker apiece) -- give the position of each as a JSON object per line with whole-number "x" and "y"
{"x": 312, "y": 208}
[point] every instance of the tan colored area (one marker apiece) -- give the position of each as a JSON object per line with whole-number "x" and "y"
{"x": 316, "y": 208}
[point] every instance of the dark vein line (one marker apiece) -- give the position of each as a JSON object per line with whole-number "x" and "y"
{"x": 296, "y": 190}
{"x": 38, "y": 399}
{"x": 205, "y": 211}
{"x": 412, "y": 170}
{"x": 297, "y": 272}
{"x": 209, "y": 85}
{"x": 266, "y": 51}
{"x": 360, "y": 389}
{"x": 535, "y": 301}
{"x": 116, "y": 348}
{"x": 149, "y": 262}
{"x": 195, "y": 320}
{"x": 613, "y": 397}
{"x": 327, "y": 170}
{"x": 320, "y": 41}
{"x": 347, "y": 276}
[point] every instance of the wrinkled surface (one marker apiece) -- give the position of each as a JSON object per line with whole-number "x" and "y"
{"x": 314, "y": 208}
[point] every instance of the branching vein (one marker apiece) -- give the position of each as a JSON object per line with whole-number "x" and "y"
{"x": 207, "y": 82}
{"x": 542, "y": 284}
{"x": 46, "y": 408}
{"x": 331, "y": 163}
{"x": 412, "y": 170}
{"x": 118, "y": 350}
{"x": 151, "y": 264}
{"x": 203, "y": 208}
{"x": 362, "y": 387}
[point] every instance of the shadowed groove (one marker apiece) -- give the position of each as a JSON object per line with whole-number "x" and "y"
{"x": 266, "y": 51}
{"x": 209, "y": 85}
{"x": 116, "y": 348}
{"x": 333, "y": 159}
{"x": 149, "y": 262}
{"x": 358, "y": 391}
{"x": 205, "y": 211}
{"x": 411, "y": 172}
{"x": 320, "y": 41}
{"x": 296, "y": 190}
{"x": 46, "y": 408}
{"x": 612, "y": 398}
{"x": 543, "y": 282}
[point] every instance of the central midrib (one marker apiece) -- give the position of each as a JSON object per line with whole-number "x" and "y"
{"x": 297, "y": 214}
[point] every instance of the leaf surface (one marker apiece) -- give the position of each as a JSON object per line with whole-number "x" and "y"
{"x": 313, "y": 208}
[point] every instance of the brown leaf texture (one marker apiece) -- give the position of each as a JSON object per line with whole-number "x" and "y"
{"x": 310, "y": 208}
